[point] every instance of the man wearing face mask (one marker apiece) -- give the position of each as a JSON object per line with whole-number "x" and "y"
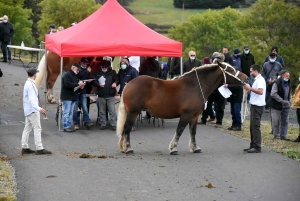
{"x": 278, "y": 57}
{"x": 68, "y": 96}
{"x": 228, "y": 58}
{"x": 236, "y": 59}
{"x": 6, "y": 33}
{"x": 280, "y": 105}
{"x": 106, "y": 93}
{"x": 191, "y": 62}
{"x": 269, "y": 73}
{"x": 257, "y": 102}
{"x": 84, "y": 74}
{"x": 125, "y": 74}
{"x": 247, "y": 60}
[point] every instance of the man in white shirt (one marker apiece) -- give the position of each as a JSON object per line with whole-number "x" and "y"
{"x": 32, "y": 112}
{"x": 257, "y": 102}
{"x": 135, "y": 62}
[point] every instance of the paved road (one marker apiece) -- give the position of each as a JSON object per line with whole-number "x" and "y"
{"x": 150, "y": 174}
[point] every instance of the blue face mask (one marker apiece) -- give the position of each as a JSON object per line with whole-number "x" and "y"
{"x": 4, "y": 21}
{"x": 272, "y": 60}
{"x": 246, "y": 51}
{"x": 286, "y": 79}
{"x": 123, "y": 66}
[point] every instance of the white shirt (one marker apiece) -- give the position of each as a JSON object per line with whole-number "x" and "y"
{"x": 257, "y": 99}
{"x": 30, "y": 98}
{"x": 135, "y": 62}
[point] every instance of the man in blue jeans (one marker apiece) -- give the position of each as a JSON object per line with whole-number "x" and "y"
{"x": 84, "y": 74}
{"x": 68, "y": 96}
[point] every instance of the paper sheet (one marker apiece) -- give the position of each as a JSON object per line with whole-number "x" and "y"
{"x": 226, "y": 93}
{"x": 101, "y": 80}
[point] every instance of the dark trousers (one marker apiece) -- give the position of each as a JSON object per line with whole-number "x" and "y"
{"x": 219, "y": 109}
{"x": 298, "y": 116}
{"x": 267, "y": 99}
{"x": 235, "y": 109}
{"x": 6, "y": 51}
{"x": 255, "y": 118}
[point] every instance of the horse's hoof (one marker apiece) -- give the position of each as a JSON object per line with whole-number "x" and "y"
{"x": 130, "y": 152}
{"x": 197, "y": 151}
{"x": 174, "y": 153}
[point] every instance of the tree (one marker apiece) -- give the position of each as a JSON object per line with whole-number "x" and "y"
{"x": 63, "y": 13}
{"x": 19, "y": 17}
{"x": 273, "y": 23}
{"x": 208, "y": 32}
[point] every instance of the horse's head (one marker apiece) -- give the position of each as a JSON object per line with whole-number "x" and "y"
{"x": 231, "y": 74}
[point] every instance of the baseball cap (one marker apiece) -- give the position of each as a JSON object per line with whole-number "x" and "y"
{"x": 76, "y": 65}
{"x": 52, "y": 26}
{"x": 236, "y": 51}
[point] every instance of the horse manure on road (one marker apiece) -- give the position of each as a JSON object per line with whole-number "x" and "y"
{"x": 84, "y": 155}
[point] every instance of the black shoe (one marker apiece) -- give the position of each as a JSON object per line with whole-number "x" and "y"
{"x": 248, "y": 149}
{"x": 68, "y": 130}
{"x": 285, "y": 138}
{"x": 88, "y": 125}
{"x": 297, "y": 139}
{"x": 254, "y": 150}
{"x": 277, "y": 137}
{"x": 113, "y": 128}
{"x": 102, "y": 127}
{"x": 4, "y": 61}
{"x": 230, "y": 128}
{"x": 27, "y": 151}
{"x": 201, "y": 122}
{"x": 42, "y": 151}
{"x": 237, "y": 129}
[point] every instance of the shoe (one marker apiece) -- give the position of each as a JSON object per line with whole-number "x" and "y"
{"x": 211, "y": 119}
{"x": 254, "y": 150}
{"x": 201, "y": 122}
{"x": 9, "y": 61}
{"x": 113, "y": 128}
{"x": 88, "y": 125}
{"x": 237, "y": 128}
{"x": 248, "y": 149}
{"x": 102, "y": 127}
{"x": 68, "y": 130}
{"x": 285, "y": 138}
{"x": 277, "y": 137}
{"x": 297, "y": 139}
{"x": 219, "y": 126}
{"x": 42, "y": 151}
{"x": 27, "y": 151}
{"x": 76, "y": 127}
{"x": 230, "y": 128}
{"x": 4, "y": 61}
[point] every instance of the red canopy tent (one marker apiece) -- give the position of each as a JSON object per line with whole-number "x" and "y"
{"x": 112, "y": 31}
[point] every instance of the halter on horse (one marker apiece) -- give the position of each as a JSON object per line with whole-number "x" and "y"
{"x": 182, "y": 98}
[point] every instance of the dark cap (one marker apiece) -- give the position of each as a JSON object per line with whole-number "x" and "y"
{"x": 272, "y": 55}
{"x": 76, "y": 65}
{"x": 105, "y": 63}
{"x": 84, "y": 60}
{"x": 52, "y": 26}
{"x": 246, "y": 47}
{"x": 32, "y": 71}
{"x": 236, "y": 51}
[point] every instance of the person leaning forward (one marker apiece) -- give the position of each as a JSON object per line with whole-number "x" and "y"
{"x": 68, "y": 96}
{"x": 257, "y": 102}
{"x": 32, "y": 111}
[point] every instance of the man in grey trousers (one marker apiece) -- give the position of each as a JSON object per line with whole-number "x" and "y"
{"x": 280, "y": 105}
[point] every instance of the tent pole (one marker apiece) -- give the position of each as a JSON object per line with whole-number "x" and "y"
{"x": 45, "y": 77}
{"x": 181, "y": 69}
{"x": 59, "y": 102}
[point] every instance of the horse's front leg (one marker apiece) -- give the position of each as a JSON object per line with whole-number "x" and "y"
{"x": 193, "y": 130}
{"x": 51, "y": 78}
{"x": 173, "y": 144}
{"x": 126, "y": 147}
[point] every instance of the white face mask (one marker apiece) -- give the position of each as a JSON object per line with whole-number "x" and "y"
{"x": 192, "y": 58}
{"x": 104, "y": 70}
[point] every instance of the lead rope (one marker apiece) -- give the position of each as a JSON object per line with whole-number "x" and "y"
{"x": 200, "y": 87}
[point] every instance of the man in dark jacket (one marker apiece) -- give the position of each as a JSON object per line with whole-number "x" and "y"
{"x": 106, "y": 82}
{"x": 278, "y": 57}
{"x": 236, "y": 59}
{"x": 6, "y": 33}
{"x": 68, "y": 96}
{"x": 192, "y": 62}
{"x": 228, "y": 58}
{"x": 247, "y": 60}
{"x": 84, "y": 74}
{"x": 280, "y": 105}
{"x": 174, "y": 67}
{"x": 125, "y": 74}
{"x": 150, "y": 67}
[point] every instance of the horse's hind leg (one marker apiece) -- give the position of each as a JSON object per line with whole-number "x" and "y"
{"x": 193, "y": 129}
{"x": 173, "y": 144}
{"x": 125, "y": 139}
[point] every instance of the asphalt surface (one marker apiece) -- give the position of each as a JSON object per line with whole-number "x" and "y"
{"x": 222, "y": 172}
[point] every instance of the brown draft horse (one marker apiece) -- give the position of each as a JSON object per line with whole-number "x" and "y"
{"x": 182, "y": 98}
{"x": 53, "y": 70}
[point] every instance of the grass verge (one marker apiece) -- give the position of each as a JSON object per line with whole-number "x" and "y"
{"x": 288, "y": 148}
{"x": 8, "y": 187}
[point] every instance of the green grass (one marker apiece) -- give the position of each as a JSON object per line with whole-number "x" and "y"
{"x": 163, "y": 12}
{"x": 7, "y": 183}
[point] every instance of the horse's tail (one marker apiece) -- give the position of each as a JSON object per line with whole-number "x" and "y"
{"x": 121, "y": 118}
{"x": 41, "y": 74}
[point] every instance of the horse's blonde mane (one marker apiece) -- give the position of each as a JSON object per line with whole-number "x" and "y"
{"x": 196, "y": 68}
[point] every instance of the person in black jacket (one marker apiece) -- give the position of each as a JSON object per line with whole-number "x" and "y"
{"x": 247, "y": 60}
{"x": 228, "y": 58}
{"x": 174, "y": 67}
{"x": 192, "y": 62}
{"x": 68, "y": 96}
{"x": 235, "y": 100}
{"x": 150, "y": 67}
{"x": 6, "y": 33}
{"x": 106, "y": 94}
{"x": 280, "y": 105}
{"x": 84, "y": 74}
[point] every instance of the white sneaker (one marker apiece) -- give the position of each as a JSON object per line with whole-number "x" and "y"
{"x": 76, "y": 127}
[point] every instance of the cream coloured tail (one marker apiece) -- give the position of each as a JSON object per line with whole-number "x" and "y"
{"x": 121, "y": 118}
{"x": 42, "y": 68}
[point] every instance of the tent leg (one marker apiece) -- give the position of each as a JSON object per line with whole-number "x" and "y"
{"x": 181, "y": 69}
{"x": 45, "y": 77}
{"x": 59, "y": 102}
